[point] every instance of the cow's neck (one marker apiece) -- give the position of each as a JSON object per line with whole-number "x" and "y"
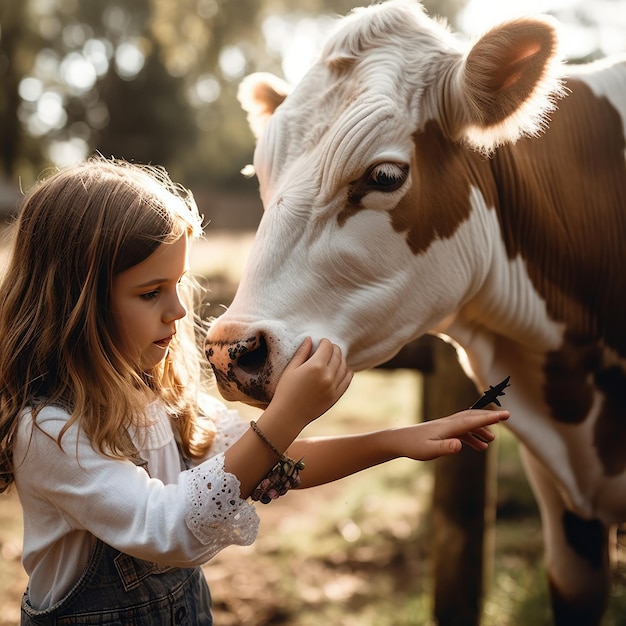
{"x": 560, "y": 208}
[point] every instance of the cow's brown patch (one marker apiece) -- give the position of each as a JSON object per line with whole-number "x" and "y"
{"x": 561, "y": 205}
{"x": 573, "y": 373}
{"x": 353, "y": 205}
{"x": 610, "y": 433}
{"x": 438, "y": 201}
{"x": 588, "y": 539}
{"x": 568, "y": 386}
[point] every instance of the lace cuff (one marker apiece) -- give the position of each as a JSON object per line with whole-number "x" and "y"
{"x": 218, "y": 517}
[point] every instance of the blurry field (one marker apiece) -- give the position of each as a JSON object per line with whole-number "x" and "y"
{"x": 355, "y": 553}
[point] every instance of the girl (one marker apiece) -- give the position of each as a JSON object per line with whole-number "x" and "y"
{"x": 129, "y": 475}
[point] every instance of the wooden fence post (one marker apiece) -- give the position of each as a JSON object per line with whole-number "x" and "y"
{"x": 463, "y": 514}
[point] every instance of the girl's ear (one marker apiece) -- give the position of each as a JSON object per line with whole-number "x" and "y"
{"x": 260, "y": 94}
{"x": 509, "y": 82}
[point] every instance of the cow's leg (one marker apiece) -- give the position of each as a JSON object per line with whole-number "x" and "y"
{"x": 577, "y": 554}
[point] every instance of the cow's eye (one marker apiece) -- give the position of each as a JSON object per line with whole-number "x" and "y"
{"x": 387, "y": 177}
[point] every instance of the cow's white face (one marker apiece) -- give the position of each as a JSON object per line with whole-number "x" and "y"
{"x": 367, "y": 236}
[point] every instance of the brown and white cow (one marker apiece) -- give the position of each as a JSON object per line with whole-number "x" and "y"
{"x": 414, "y": 183}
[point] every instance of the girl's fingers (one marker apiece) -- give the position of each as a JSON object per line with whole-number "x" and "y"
{"x": 488, "y": 415}
{"x": 335, "y": 358}
{"x": 475, "y": 442}
{"x": 451, "y": 446}
{"x": 443, "y": 447}
{"x": 334, "y": 361}
{"x": 328, "y": 356}
{"x": 339, "y": 368}
{"x": 346, "y": 380}
{"x": 472, "y": 429}
{"x": 483, "y": 434}
{"x": 324, "y": 353}
{"x": 472, "y": 421}
{"x": 477, "y": 420}
{"x": 303, "y": 353}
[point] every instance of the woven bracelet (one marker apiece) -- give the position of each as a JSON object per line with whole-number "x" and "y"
{"x": 285, "y": 475}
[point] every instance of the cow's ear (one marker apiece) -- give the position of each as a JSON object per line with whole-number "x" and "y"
{"x": 260, "y": 94}
{"x": 510, "y": 82}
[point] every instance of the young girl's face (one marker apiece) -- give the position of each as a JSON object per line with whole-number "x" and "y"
{"x": 146, "y": 305}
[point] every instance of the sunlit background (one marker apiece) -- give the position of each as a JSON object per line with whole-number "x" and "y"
{"x": 589, "y": 29}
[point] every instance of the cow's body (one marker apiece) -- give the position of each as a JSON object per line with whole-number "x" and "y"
{"x": 382, "y": 224}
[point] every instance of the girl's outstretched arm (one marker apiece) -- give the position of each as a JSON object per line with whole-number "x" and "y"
{"x": 330, "y": 458}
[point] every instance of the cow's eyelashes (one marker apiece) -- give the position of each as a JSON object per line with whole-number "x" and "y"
{"x": 386, "y": 177}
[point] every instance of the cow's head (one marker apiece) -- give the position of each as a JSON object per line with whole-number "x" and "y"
{"x": 365, "y": 179}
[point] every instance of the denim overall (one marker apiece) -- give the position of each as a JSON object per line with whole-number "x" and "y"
{"x": 116, "y": 589}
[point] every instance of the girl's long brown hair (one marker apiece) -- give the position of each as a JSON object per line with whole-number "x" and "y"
{"x": 75, "y": 231}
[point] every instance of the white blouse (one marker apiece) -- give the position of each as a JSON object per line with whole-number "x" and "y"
{"x": 73, "y": 494}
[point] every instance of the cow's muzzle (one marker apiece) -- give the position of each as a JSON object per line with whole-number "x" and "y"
{"x": 242, "y": 368}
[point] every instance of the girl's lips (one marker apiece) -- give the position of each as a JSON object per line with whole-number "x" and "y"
{"x": 163, "y": 343}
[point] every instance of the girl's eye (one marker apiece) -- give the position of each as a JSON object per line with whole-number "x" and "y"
{"x": 150, "y": 295}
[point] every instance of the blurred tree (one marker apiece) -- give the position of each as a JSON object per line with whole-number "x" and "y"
{"x": 149, "y": 119}
{"x": 11, "y": 17}
{"x": 18, "y": 46}
{"x": 207, "y": 44}
{"x": 97, "y": 82}
{"x": 139, "y": 79}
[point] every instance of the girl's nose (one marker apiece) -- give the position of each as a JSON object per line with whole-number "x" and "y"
{"x": 176, "y": 310}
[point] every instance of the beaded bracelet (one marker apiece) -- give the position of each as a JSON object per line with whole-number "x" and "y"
{"x": 285, "y": 475}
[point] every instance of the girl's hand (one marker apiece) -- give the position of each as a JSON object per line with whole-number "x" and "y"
{"x": 312, "y": 382}
{"x": 443, "y": 436}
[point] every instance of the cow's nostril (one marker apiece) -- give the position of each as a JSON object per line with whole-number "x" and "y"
{"x": 253, "y": 360}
